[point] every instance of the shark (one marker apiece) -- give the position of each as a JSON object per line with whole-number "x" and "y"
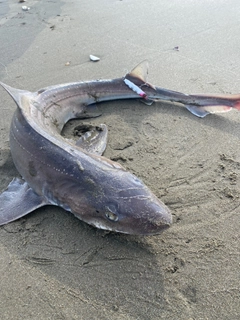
{"x": 75, "y": 175}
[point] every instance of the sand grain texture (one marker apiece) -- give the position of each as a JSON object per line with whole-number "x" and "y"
{"x": 54, "y": 266}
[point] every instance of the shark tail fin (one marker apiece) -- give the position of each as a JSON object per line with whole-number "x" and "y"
{"x": 205, "y": 104}
{"x": 202, "y": 111}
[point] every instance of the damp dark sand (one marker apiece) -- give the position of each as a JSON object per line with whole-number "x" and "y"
{"x": 54, "y": 266}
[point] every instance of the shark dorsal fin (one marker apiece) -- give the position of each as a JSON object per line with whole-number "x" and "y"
{"x": 17, "y": 94}
{"x": 140, "y": 71}
{"x": 139, "y": 74}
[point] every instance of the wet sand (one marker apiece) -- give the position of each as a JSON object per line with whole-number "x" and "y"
{"x": 54, "y": 266}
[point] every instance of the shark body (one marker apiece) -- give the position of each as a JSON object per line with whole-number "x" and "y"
{"x": 76, "y": 177}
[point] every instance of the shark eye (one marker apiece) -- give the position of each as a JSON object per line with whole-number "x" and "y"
{"x": 111, "y": 216}
{"x": 111, "y": 213}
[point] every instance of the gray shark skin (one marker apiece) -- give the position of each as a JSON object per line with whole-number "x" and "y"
{"x": 59, "y": 172}
{"x": 76, "y": 177}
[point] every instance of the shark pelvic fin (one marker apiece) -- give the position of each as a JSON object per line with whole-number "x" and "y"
{"x": 93, "y": 139}
{"x": 18, "y": 200}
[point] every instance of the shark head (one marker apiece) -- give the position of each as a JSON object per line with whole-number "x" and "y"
{"x": 122, "y": 203}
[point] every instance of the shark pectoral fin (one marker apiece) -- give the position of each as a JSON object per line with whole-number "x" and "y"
{"x": 17, "y": 201}
{"x": 202, "y": 111}
{"x": 93, "y": 139}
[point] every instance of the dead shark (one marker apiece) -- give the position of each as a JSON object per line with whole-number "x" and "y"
{"x": 76, "y": 177}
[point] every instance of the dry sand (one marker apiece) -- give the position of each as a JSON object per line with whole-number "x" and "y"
{"x": 54, "y": 266}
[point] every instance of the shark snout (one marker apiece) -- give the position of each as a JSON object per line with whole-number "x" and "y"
{"x": 156, "y": 219}
{"x": 145, "y": 216}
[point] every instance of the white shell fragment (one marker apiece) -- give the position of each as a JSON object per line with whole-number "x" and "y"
{"x": 94, "y": 58}
{"x": 25, "y": 8}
